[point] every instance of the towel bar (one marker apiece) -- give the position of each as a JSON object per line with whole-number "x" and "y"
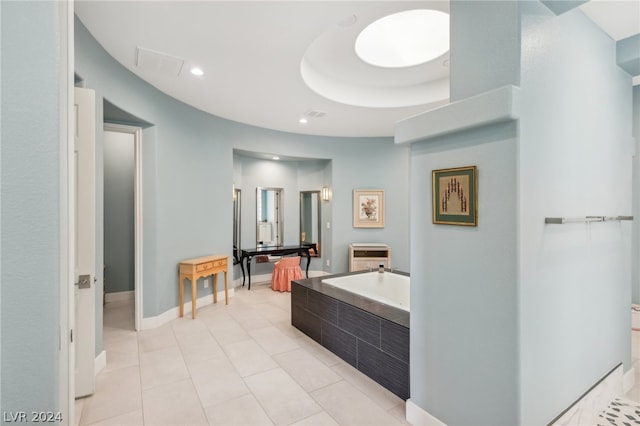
{"x": 561, "y": 220}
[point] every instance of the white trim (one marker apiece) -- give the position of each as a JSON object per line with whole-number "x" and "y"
{"x": 138, "y": 225}
{"x": 628, "y": 380}
{"x": 139, "y": 282}
{"x": 173, "y": 313}
{"x": 417, "y": 416}
{"x": 100, "y": 362}
{"x": 66, "y": 390}
{"x": 119, "y": 295}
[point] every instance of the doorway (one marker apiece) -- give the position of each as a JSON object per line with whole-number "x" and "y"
{"x": 123, "y": 224}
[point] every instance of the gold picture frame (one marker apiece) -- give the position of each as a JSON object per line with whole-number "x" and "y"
{"x": 368, "y": 208}
{"x": 455, "y": 196}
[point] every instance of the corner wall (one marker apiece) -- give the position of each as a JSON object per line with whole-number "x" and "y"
{"x": 30, "y": 211}
{"x": 544, "y": 309}
{"x": 574, "y": 160}
{"x": 464, "y": 365}
{"x": 635, "y": 260}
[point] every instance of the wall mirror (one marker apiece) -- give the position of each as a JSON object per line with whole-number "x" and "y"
{"x": 269, "y": 226}
{"x": 237, "y": 199}
{"x": 310, "y": 218}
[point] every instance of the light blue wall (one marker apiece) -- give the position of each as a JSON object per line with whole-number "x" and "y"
{"x": 485, "y": 46}
{"x": 149, "y": 221}
{"x": 635, "y": 261}
{"x": 119, "y": 185}
{"x": 574, "y": 159}
{"x": 464, "y": 279}
{"x": 30, "y": 211}
{"x": 544, "y": 309}
{"x": 1, "y": 239}
{"x": 189, "y": 173}
{"x": 636, "y": 197}
{"x": 464, "y": 284}
{"x": 628, "y": 54}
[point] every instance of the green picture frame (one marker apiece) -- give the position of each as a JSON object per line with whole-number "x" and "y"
{"x": 455, "y": 196}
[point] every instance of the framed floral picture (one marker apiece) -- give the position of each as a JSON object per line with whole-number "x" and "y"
{"x": 455, "y": 196}
{"x": 368, "y": 208}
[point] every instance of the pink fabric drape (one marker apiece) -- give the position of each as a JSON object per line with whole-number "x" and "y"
{"x": 285, "y": 270}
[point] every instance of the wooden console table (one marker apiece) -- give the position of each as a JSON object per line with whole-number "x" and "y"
{"x": 198, "y": 268}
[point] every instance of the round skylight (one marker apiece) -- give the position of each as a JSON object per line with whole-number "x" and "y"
{"x": 404, "y": 39}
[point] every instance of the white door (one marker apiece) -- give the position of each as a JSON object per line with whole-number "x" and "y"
{"x": 85, "y": 256}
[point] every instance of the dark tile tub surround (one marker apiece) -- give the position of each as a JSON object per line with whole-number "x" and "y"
{"x": 369, "y": 335}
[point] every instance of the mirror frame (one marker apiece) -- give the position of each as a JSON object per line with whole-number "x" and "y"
{"x": 319, "y": 224}
{"x": 237, "y": 222}
{"x": 279, "y": 216}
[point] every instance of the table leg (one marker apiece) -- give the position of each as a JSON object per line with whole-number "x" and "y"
{"x": 308, "y": 262}
{"x": 249, "y": 271}
{"x": 215, "y": 288}
{"x": 194, "y": 291}
{"x": 226, "y": 288}
{"x": 242, "y": 269}
{"x": 182, "y": 277}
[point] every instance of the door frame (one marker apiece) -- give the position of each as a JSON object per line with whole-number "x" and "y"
{"x": 66, "y": 361}
{"x": 138, "y": 235}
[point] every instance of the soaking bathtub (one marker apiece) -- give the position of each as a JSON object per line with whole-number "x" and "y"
{"x": 387, "y": 287}
{"x": 361, "y": 317}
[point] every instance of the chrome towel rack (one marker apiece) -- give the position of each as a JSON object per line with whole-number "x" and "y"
{"x": 561, "y": 220}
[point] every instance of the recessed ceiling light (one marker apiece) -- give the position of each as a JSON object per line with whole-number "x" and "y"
{"x": 404, "y": 39}
{"x": 197, "y": 71}
{"x": 275, "y": 157}
{"x": 303, "y": 121}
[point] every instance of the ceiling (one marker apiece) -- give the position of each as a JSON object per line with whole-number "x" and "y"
{"x": 271, "y": 63}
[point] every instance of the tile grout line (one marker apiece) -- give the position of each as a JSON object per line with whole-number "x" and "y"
{"x": 175, "y": 336}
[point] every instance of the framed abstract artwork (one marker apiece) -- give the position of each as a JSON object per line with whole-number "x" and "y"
{"x": 455, "y": 196}
{"x": 368, "y": 208}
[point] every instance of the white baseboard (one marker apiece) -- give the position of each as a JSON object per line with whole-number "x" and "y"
{"x": 628, "y": 380}
{"x": 173, "y": 313}
{"x": 417, "y": 416}
{"x": 120, "y": 295}
{"x": 100, "y": 362}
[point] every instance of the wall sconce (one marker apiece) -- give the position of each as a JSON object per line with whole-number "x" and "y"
{"x": 325, "y": 193}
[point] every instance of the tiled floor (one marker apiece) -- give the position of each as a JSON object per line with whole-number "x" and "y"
{"x": 239, "y": 364}
{"x": 634, "y": 393}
